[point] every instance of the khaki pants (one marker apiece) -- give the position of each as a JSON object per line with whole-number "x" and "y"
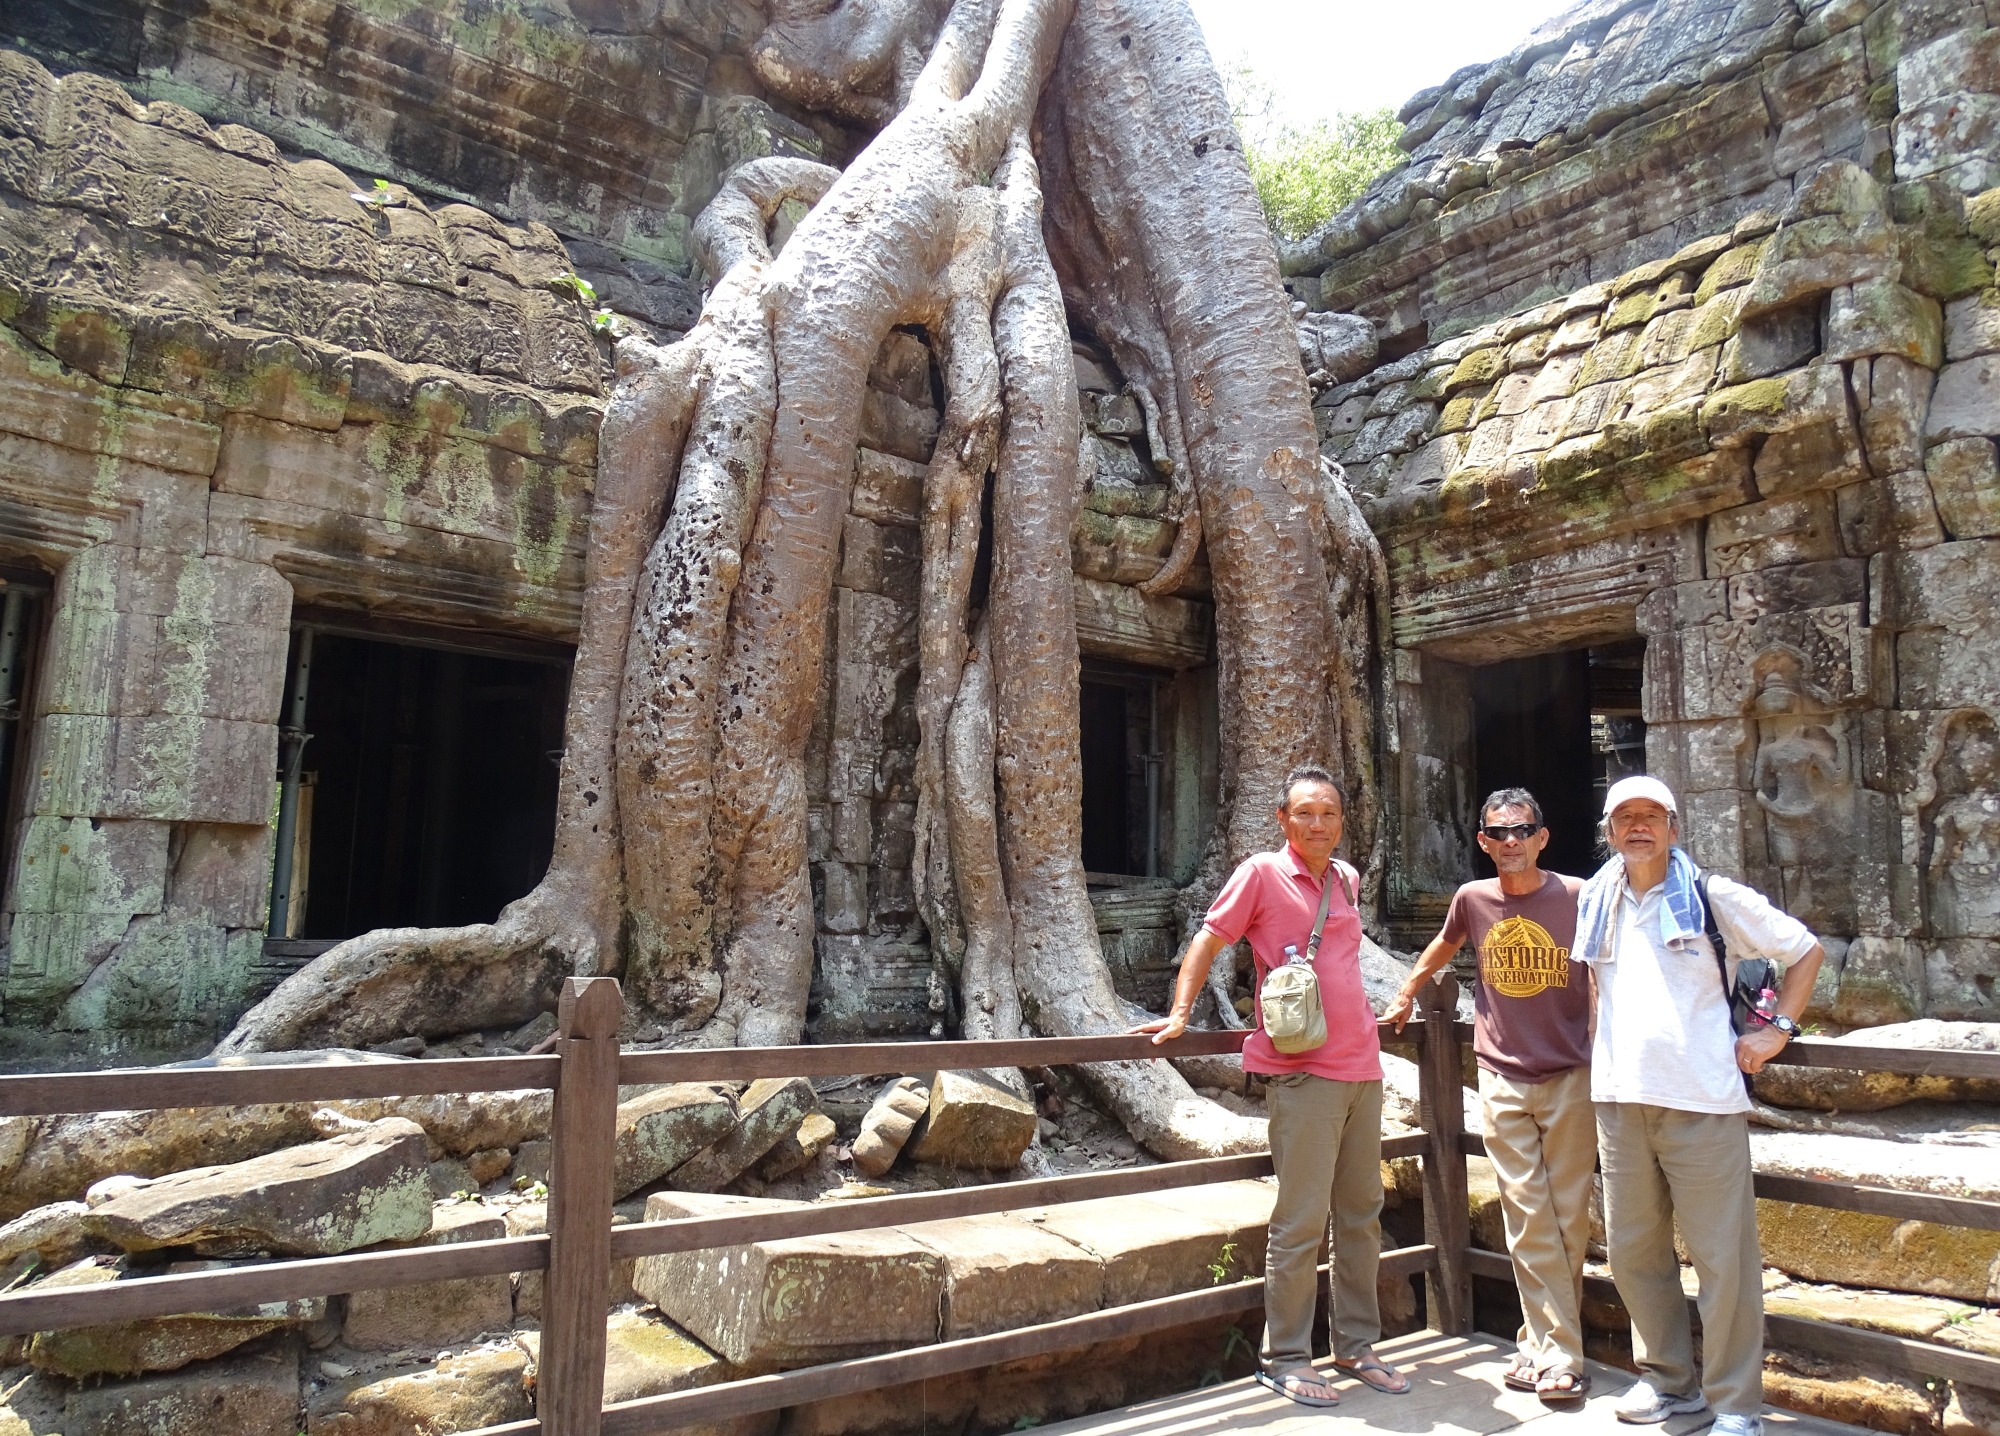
{"x": 1661, "y": 1165}
{"x": 1542, "y": 1140}
{"x": 1326, "y": 1144}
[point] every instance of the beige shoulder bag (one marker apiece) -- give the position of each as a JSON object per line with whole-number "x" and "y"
{"x": 1289, "y": 1002}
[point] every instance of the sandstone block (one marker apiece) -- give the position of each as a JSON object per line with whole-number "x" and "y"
{"x": 487, "y": 1386}
{"x": 887, "y": 1125}
{"x": 1001, "y": 1272}
{"x": 896, "y": 426}
{"x": 1810, "y": 256}
{"x": 976, "y": 1119}
{"x": 1831, "y": 1089}
{"x": 1958, "y": 979}
{"x": 1892, "y": 405}
{"x": 798, "y": 1301}
{"x": 1879, "y": 316}
{"x": 799, "y": 1150}
{"x": 1343, "y": 346}
{"x": 770, "y": 1109}
{"x": 437, "y": 1313}
{"x": 1972, "y": 325}
{"x": 663, "y": 1129}
{"x": 1860, "y": 1249}
{"x": 1952, "y": 137}
{"x": 55, "y": 1232}
{"x": 648, "y": 1357}
{"x": 1798, "y": 529}
{"x": 1881, "y": 982}
{"x": 164, "y": 1343}
{"x": 246, "y": 1396}
{"x": 1964, "y": 477}
{"x": 349, "y": 1191}
{"x": 1149, "y": 1246}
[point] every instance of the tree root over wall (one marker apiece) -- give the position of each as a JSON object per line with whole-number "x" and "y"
{"x": 1039, "y": 164}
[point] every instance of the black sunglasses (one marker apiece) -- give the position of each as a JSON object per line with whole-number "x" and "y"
{"x": 1523, "y": 831}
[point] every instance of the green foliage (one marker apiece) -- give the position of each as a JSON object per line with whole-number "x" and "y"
{"x": 577, "y": 285}
{"x": 1219, "y": 1269}
{"x": 1305, "y": 173}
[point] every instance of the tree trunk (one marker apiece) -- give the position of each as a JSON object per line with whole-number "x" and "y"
{"x": 727, "y": 462}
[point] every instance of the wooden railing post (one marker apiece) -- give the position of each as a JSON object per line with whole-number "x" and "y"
{"x": 570, "y": 1385}
{"x": 1447, "y": 1211}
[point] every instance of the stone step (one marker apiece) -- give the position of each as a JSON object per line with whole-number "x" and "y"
{"x": 797, "y": 1301}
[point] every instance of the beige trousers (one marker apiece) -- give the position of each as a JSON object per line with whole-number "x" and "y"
{"x": 1542, "y": 1140}
{"x": 1663, "y": 1165}
{"x": 1326, "y": 1144}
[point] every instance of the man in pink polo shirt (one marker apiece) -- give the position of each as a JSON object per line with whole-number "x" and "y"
{"x": 1325, "y": 1104}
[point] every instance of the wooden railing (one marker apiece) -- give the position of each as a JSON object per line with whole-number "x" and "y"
{"x": 585, "y": 1073}
{"x": 1879, "y": 1350}
{"x": 587, "y": 1069}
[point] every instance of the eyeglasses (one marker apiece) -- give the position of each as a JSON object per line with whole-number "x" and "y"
{"x": 1523, "y": 831}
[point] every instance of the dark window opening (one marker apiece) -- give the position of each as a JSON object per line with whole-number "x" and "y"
{"x": 1564, "y": 726}
{"x": 1123, "y": 727}
{"x": 23, "y": 617}
{"x": 428, "y": 784}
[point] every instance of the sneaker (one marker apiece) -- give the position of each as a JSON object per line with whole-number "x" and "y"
{"x": 1733, "y": 1425}
{"x": 1643, "y": 1406}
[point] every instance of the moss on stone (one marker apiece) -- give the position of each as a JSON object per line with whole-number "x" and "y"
{"x": 1733, "y": 267}
{"x": 1481, "y": 366}
{"x": 1753, "y": 407}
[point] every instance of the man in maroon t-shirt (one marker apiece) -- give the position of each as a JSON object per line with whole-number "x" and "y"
{"x": 1531, "y": 1034}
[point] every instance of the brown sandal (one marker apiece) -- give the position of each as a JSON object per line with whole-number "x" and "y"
{"x": 1563, "y": 1384}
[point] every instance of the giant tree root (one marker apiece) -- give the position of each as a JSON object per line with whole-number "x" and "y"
{"x": 726, "y": 465}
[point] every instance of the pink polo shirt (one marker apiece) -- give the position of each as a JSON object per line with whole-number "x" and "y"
{"x": 1271, "y": 899}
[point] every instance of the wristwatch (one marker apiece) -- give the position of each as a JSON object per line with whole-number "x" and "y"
{"x": 1784, "y": 1024}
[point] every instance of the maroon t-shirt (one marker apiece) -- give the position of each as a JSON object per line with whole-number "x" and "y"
{"x": 1531, "y": 1003}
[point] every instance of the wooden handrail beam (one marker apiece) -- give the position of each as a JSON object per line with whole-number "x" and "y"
{"x": 22, "y": 1312}
{"x": 1973, "y": 1212}
{"x": 150, "y": 1088}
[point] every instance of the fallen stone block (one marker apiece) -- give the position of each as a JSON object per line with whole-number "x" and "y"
{"x": 244, "y": 1396}
{"x": 794, "y": 1302}
{"x": 55, "y": 1232}
{"x": 160, "y": 1343}
{"x": 1149, "y": 1246}
{"x": 1834, "y": 1089}
{"x": 644, "y": 1356}
{"x": 798, "y": 1151}
{"x": 1002, "y": 1272}
{"x": 349, "y": 1191}
{"x": 436, "y": 1313}
{"x": 976, "y": 1119}
{"x": 487, "y": 1386}
{"x": 531, "y": 1219}
{"x": 769, "y": 1110}
{"x": 662, "y": 1129}
{"x": 888, "y": 1124}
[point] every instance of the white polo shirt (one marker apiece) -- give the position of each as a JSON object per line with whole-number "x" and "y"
{"x": 1663, "y": 1035}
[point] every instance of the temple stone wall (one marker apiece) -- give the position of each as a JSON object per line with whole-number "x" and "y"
{"x": 227, "y": 386}
{"x": 611, "y": 122}
{"x": 1625, "y": 129}
{"x": 1768, "y": 451}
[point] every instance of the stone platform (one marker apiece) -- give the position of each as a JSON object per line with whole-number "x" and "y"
{"x": 1455, "y": 1388}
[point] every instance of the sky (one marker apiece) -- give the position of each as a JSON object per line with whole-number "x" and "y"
{"x": 1324, "y": 57}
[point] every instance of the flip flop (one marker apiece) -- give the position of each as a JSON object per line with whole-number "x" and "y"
{"x": 1292, "y": 1384}
{"x": 1359, "y": 1371}
{"x": 1519, "y": 1377}
{"x": 1576, "y": 1390}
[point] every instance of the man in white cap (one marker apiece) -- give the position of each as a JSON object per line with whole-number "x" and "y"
{"x": 1667, "y": 1076}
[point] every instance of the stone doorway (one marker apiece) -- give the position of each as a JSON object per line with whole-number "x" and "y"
{"x": 1565, "y": 726}
{"x": 428, "y": 782}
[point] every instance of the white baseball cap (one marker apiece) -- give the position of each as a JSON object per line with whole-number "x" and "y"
{"x": 1626, "y": 790}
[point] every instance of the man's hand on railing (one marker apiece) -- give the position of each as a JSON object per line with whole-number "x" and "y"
{"x": 1163, "y": 1029}
{"x": 1397, "y": 1013}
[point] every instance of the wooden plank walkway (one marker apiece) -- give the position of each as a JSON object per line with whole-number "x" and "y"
{"x": 1455, "y": 1388}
